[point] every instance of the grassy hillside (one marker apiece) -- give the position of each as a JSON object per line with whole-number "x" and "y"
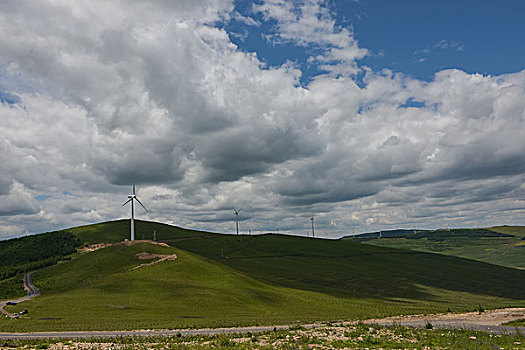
{"x": 119, "y": 230}
{"x": 518, "y": 231}
{"x": 506, "y": 247}
{"x": 224, "y": 280}
{"x": 437, "y": 235}
{"x": 344, "y": 268}
{"x": 11, "y": 288}
{"x": 29, "y": 253}
{"x": 100, "y": 290}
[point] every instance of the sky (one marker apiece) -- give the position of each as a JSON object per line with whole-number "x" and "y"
{"x": 369, "y": 115}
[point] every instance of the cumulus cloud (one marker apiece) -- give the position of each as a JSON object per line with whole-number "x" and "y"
{"x": 310, "y": 23}
{"x": 17, "y": 202}
{"x": 96, "y": 97}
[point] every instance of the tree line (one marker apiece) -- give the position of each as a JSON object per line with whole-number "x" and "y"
{"x": 28, "y": 253}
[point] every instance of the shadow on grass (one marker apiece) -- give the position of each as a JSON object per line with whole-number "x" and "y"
{"x": 349, "y": 269}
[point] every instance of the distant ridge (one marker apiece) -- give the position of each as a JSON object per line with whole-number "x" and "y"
{"x": 432, "y": 234}
{"x": 386, "y": 233}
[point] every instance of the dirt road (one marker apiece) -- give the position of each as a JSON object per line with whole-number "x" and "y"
{"x": 489, "y": 321}
{"x": 138, "y": 333}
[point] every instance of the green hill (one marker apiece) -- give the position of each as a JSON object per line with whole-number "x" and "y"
{"x": 25, "y": 254}
{"x": 225, "y": 280}
{"x": 346, "y": 268}
{"x": 119, "y": 230}
{"x": 501, "y": 245}
{"x": 29, "y": 253}
{"x": 100, "y": 290}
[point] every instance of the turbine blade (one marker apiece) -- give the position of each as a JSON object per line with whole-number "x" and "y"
{"x": 129, "y": 200}
{"x": 141, "y": 204}
{"x": 133, "y": 188}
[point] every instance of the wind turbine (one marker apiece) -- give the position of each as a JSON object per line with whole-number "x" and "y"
{"x": 312, "y": 220}
{"x": 237, "y": 218}
{"x": 131, "y": 199}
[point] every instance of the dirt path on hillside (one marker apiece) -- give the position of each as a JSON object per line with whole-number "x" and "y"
{"x": 88, "y": 248}
{"x": 148, "y": 256}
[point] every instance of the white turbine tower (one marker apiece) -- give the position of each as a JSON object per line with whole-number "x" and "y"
{"x": 237, "y": 218}
{"x": 131, "y": 199}
{"x": 313, "y": 232}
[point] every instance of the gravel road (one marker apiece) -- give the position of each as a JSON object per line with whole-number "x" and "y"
{"x": 489, "y": 321}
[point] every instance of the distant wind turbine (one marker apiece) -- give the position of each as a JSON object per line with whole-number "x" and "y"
{"x": 237, "y": 218}
{"x": 132, "y": 198}
{"x": 313, "y": 231}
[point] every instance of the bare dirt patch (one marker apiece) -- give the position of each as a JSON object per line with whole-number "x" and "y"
{"x": 130, "y": 243}
{"x": 92, "y": 247}
{"x": 96, "y": 246}
{"x": 148, "y": 256}
{"x": 487, "y": 318}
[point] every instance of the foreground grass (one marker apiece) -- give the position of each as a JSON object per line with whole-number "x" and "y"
{"x": 328, "y": 336}
{"x": 516, "y": 323}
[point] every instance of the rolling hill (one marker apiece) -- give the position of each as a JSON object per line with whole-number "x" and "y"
{"x": 225, "y": 280}
{"x": 500, "y": 245}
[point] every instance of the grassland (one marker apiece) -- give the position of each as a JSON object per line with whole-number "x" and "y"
{"x": 343, "y": 268}
{"x": 224, "y": 280}
{"x": 504, "y": 250}
{"x": 99, "y": 290}
{"x": 325, "y": 336}
{"x": 29, "y": 253}
{"x": 11, "y": 288}
{"x": 517, "y": 323}
{"x": 117, "y": 231}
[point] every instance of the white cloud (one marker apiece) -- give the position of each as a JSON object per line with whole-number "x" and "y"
{"x": 155, "y": 93}
{"x": 18, "y": 202}
{"x": 439, "y": 47}
{"x": 245, "y": 19}
{"x": 310, "y": 23}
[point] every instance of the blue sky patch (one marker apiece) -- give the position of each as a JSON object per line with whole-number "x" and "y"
{"x": 10, "y": 99}
{"x": 412, "y": 103}
{"x": 43, "y": 197}
{"x": 67, "y": 193}
{"x": 417, "y": 38}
